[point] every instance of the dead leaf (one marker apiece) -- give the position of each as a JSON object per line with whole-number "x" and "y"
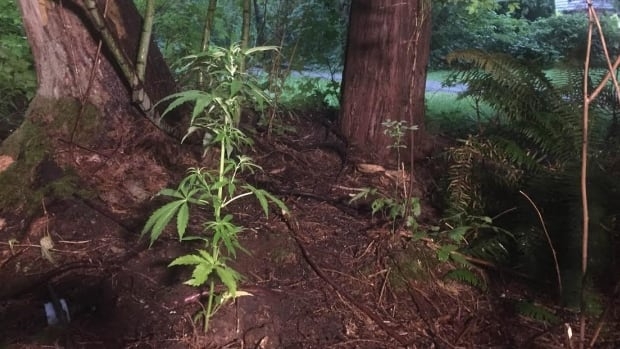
{"x": 370, "y": 168}
{"x": 5, "y": 162}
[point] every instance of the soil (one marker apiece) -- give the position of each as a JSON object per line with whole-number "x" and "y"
{"x": 329, "y": 275}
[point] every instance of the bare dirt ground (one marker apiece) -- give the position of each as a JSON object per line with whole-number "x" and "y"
{"x": 330, "y": 276}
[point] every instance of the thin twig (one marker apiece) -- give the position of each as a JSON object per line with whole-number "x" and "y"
{"x": 91, "y": 80}
{"x": 544, "y": 227}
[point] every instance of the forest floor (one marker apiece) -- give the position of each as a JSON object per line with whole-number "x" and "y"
{"x": 342, "y": 279}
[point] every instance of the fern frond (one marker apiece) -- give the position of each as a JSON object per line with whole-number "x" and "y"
{"x": 536, "y": 312}
{"x": 468, "y": 277}
{"x": 508, "y": 85}
{"x": 490, "y": 246}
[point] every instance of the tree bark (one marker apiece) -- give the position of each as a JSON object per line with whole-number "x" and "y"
{"x": 259, "y": 21}
{"x": 385, "y": 72}
{"x": 82, "y": 123}
{"x": 245, "y": 30}
{"x": 206, "y": 36}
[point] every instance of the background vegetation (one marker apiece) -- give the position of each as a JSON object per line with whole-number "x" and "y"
{"x": 17, "y": 78}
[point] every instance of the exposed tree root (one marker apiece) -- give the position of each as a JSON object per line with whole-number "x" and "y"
{"x": 294, "y": 229}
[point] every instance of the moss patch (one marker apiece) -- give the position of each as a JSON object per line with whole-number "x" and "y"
{"x": 49, "y": 127}
{"x": 413, "y": 264}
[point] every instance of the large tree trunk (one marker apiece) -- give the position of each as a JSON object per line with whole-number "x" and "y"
{"x": 385, "y": 71}
{"x": 82, "y": 134}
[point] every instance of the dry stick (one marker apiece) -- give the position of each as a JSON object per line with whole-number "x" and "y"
{"x": 612, "y": 71}
{"x": 584, "y": 173}
{"x": 294, "y": 229}
{"x": 593, "y": 19}
{"x": 544, "y": 226}
{"x": 605, "y": 79}
{"x": 413, "y": 45}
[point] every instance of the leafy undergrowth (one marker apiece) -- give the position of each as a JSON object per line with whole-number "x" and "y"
{"x": 330, "y": 275}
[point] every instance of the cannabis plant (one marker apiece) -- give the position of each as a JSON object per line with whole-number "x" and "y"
{"x": 216, "y": 113}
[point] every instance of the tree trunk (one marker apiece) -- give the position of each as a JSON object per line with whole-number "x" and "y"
{"x": 245, "y": 30}
{"x": 259, "y": 22}
{"x": 82, "y": 135}
{"x": 206, "y": 35}
{"x": 385, "y": 72}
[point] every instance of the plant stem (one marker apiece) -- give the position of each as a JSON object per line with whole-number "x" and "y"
{"x": 220, "y": 189}
{"x": 236, "y": 198}
{"x": 209, "y": 304}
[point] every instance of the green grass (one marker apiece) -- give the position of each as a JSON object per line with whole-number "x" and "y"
{"x": 447, "y": 103}
{"x": 438, "y": 75}
{"x": 448, "y": 114}
{"x": 445, "y": 112}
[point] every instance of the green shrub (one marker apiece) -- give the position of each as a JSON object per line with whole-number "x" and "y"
{"x": 533, "y": 145}
{"x": 310, "y": 94}
{"x": 17, "y": 76}
{"x": 544, "y": 41}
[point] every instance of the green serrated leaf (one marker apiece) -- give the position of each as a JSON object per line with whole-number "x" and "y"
{"x": 190, "y": 131}
{"x": 444, "y": 252}
{"x": 377, "y": 205}
{"x": 160, "y": 219}
{"x": 262, "y": 200}
{"x": 235, "y": 87}
{"x": 260, "y": 49}
{"x": 200, "y": 274}
{"x": 201, "y": 103}
{"x": 164, "y": 215}
{"x": 229, "y": 278}
{"x": 189, "y": 259}
{"x": 207, "y": 257}
{"x": 179, "y": 99}
{"x": 362, "y": 194}
{"x": 170, "y": 192}
{"x": 182, "y": 219}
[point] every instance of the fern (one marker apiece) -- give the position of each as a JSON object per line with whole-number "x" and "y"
{"x": 536, "y": 130}
{"x": 532, "y": 144}
{"x": 536, "y": 312}
{"x": 468, "y": 277}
